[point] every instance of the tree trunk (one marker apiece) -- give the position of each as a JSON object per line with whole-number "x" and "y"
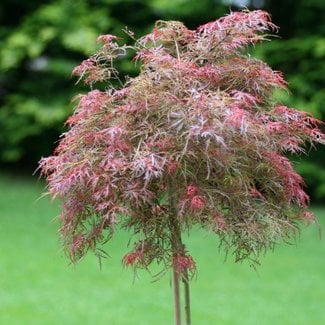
{"x": 176, "y": 242}
{"x": 187, "y": 298}
{"x": 177, "y": 300}
{"x": 177, "y": 249}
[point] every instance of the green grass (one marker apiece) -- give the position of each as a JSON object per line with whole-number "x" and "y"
{"x": 37, "y": 286}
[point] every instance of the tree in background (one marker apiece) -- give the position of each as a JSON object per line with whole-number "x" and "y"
{"x": 195, "y": 139}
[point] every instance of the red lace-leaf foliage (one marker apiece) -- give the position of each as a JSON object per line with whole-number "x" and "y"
{"x": 183, "y": 263}
{"x": 197, "y": 203}
{"x": 191, "y": 191}
{"x": 220, "y": 221}
{"x": 106, "y": 39}
{"x": 310, "y": 218}
{"x": 197, "y": 135}
{"x": 133, "y": 258}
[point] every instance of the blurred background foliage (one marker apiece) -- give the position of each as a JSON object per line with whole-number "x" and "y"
{"x": 41, "y": 41}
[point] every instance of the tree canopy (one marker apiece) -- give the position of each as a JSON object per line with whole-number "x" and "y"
{"x": 195, "y": 138}
{"x": 41, "y": 42}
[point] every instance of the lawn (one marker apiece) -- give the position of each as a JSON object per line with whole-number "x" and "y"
{"x": 38, "y": 286}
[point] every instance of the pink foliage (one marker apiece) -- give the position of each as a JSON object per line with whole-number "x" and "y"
{"x": 191, "y": 191}
{"x": 183, "y": 263}
{"x": 132, "y": 258}
{"x": 310, "y": 218}
{"x": 197, "y": 203}
{"x": 106, "y": 39}
{"x": 220, "y": 221}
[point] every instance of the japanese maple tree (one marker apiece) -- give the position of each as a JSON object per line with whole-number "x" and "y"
{"x": 195, "y": 139}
